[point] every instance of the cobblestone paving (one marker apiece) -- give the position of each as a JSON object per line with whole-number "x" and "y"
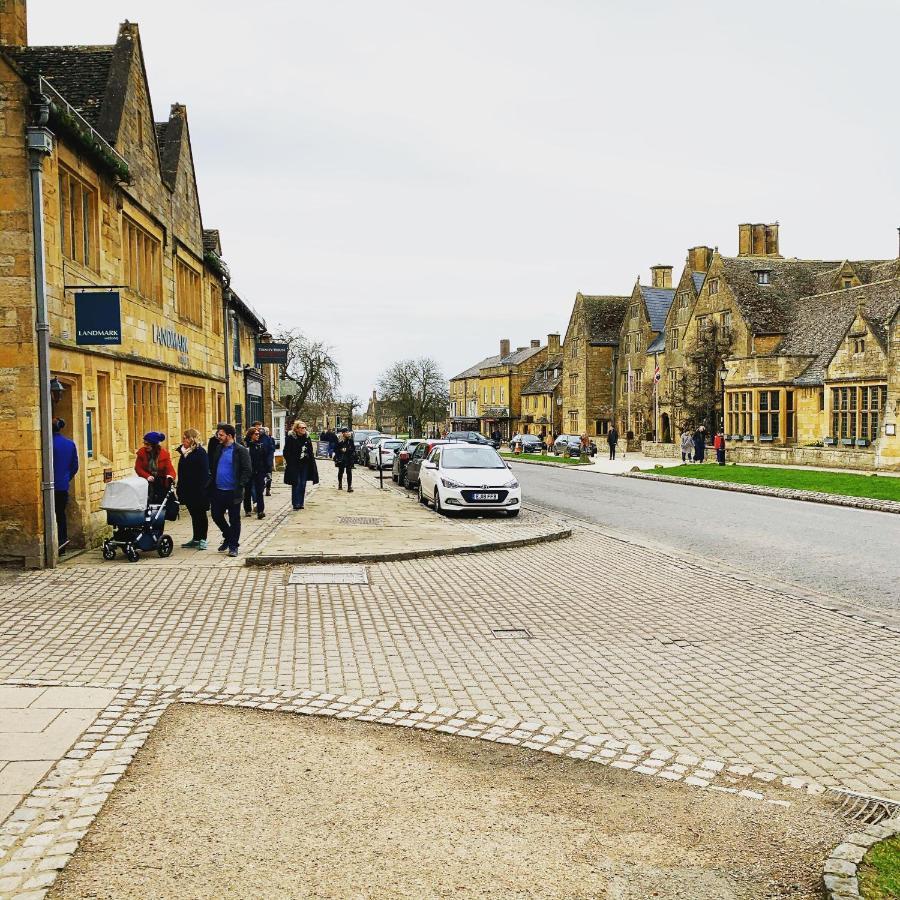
{"x": 634, "y": 643}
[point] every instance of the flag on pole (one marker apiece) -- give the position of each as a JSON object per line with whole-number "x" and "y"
{"x": 656, "y": 375}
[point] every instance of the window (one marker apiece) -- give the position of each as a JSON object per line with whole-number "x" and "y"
{"x": 193, "y": 409}
{"x": 672, "y": 381}
{"x": 140, "y": 128}
{"x": 103, "y": 424}
{"x": 501, "y": 396}
{"x": 573, "y": 421}
{"x": 847, "y": 283}
{"x": 146, "y": 409}
{"x": 573, "y": 351}
{"x": 493, "y": 394}
{"x": 633, "y": 311}
{"x": 78, "y": 219}
{"x": 726, "y": 321}
{"x": 762, "y": 276}
{"x": 573, "y": 385}
{"x": 740, "y": 412}
{"x": 702, "y": 324}
{"x": 790, "y": 417}
{"x": 859, "y": 345}
{"x": 769, "y": 413}
{"x": 235, "y": 340}
{"x": 485, "y": 395}
{"x": 873, "y": 400}
{"x": 713, "y": 287}
{"x": 673, "y": 339}
{"x": 856, "y": 411}
{"x": 822, "y": 400}
{"x": 141, "y": 260}
{"x": 89, "y": 415}
{"x": 189, "y": 293}
{"x": 215, "y": 307}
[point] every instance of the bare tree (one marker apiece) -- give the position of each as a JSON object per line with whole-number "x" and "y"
{"x": 416, "y": 388}
{"x": 348, "y": 405}
{"x": 311, "y": 377}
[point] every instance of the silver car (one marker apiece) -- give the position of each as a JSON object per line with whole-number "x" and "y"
{"x": 383, "y": 450}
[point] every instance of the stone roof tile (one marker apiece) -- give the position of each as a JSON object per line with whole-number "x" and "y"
{"x": 603, "y": 316}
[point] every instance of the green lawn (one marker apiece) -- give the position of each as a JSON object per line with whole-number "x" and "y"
{"x": 879, "y": 874}
{"x": 875, "y": 487}
{"x": 543, "y": 457}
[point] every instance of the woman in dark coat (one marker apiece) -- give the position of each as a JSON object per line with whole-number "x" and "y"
{"x": 261, "y": 462}
{"x": 344, "y": 457}
{"x": 299, "y": 463}
{"x": 699, "y": 444}
{"x": 193, "y": 485}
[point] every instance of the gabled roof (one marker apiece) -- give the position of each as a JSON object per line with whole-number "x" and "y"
{"x": 816, "y": 325}
{"x": 603, "y": 317}
{"x": 698, "y": 279}
{"x": 472, "y": 371}
{"x": 212, "y": 242}
{"x": 658, "y": 344}
{"x": 543, "y": 381}
{"x": 657, "y": 301}
{"x": 168, "y": 138}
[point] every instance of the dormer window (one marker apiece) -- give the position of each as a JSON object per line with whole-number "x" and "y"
{"x": 713, "y": 287}
{"x": 762, "y": 276}
{"x": 848, "y": 283}
{"x": 859, "y": 345}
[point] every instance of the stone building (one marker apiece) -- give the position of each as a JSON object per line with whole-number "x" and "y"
{"x": 117, "y": 211}
{"x": 500, "y": 386}
{"x": 589, "y": 355}
{"x": 541, "y": 399}
{"x": 464, "y": 397}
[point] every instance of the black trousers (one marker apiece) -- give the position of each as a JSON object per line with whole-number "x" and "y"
{"x": 612, "y": 451}
{"x": 61, "y": 501}
{"x": 199, "y": 521}
{"x": 223, "y": 503}
{"x": 349, "y": 471}
{"x": 256, "y": 490}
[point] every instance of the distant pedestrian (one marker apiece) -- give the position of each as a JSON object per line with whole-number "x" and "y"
{"x": 271, "y": 441}
{"x": 261, "y": 462}
{"x": 700, "y": 444}
{"x": 154, "y": 463}
{"x": 687, "y": 446}
{"x": 719, "y": 444}
{"x": 330, "y": 437}
{"x": 230, "y": 471}
{"x": 344, "y": 456}
{"x": 65, "y": 466}
{"x": 193, "y": 485}
{"x": 299, "y": 463}
{"x": 612, "y": 438}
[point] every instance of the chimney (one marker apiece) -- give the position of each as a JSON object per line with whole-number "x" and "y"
{"x": 744, "y": 245}
{"x": 758, "y": 239}
{"x": 535, "y": 343}
{"x": 553, "y": 343}
{"x": 504, "y": 347}
{"x": 520, "y": 349}
{"x": 699, "y": 258}
{"x": 772, "y": 240}
{"x": 13, "y": 23}
{"x": 374, "y": 394}
{"x": 661, "y": 276}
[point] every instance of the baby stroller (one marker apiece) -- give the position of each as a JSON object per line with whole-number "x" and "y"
{"x": 137, "y": 525}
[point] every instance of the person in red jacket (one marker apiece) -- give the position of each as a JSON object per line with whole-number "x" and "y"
{"x": 154, "y": 463}
{"x": 719, "y": 445}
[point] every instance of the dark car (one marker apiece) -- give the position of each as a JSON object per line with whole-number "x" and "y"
{"x": 360, "y": 438}
{"x": 470, "y": 437}
{"x": 414, "y": 464}
{"x": 530, "y": 443}
{"x": 402, "y": 457}
{"x": 570, "y": 445}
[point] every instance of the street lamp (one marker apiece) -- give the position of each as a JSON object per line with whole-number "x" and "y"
{"x": 56, "y": 389}
{"x": 723, "y": 374}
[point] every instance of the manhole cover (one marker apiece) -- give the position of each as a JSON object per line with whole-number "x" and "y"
{"x": 516, "y": 634}
{"x": 360, "y": 520}
{"x": 329, "y": 575}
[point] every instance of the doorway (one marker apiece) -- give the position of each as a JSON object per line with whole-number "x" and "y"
{"x": 68, "y": 406}
{"x": 666, "y": 428}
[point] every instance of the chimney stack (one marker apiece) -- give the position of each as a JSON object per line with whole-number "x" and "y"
{"x": 699, "y": 258}
{"x": 13, "y": 23}
{"x": 520, "y": 349}
{"x": 374, "y": 394}
{"x": 552, "y": 343}
{"x": 504, "y": 347}
{"x": 661, "y": 276}
{"x": 535, "y": 343}
{"x": 757, "y": 239}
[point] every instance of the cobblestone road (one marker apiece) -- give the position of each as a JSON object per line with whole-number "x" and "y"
{"x": 627, "y": 641}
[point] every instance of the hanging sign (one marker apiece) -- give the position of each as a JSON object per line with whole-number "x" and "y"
{"x": 275, "y": 354}
{"x": 98, "y": 317}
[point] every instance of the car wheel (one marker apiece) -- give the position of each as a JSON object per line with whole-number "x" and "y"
{"x": 394, "y": 477}
{"x": 512, "y": 513}
{"x": 404, "y": 480}
{"x": 438, "y": 507}
{"x": 422, "y": 499}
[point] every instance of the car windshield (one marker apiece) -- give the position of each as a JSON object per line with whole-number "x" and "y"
{"x": 392, "y": 445}
{"x": 473, "y": 457}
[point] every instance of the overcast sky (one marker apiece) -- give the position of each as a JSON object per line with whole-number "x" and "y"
{"x": 422, "y": 178}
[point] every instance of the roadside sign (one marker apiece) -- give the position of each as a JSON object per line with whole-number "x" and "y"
{"x": 272, "y": 354}
{"x": 98, "y": 317}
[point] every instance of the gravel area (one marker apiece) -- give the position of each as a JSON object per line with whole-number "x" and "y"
{"x": 243, "y": 803}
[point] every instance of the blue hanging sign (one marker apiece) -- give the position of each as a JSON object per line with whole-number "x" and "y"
{"x": 98, "y": 317}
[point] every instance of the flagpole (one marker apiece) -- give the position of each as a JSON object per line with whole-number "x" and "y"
{"x": 628, "y": 422}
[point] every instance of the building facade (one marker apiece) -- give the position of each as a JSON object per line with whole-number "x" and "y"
{"x": 117, "y": 213}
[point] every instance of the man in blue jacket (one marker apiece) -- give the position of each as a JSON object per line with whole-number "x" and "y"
{"x": 65, "y": 465}
{"x": 230, "y": 473}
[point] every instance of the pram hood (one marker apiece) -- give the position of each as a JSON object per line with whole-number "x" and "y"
{"x": 128, "y": 494}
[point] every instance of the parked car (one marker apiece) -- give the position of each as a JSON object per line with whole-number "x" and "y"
{"x": 414, "y": 465}
{"x": 383, "y": 449}
{"x": 530, "y": 443}
{"x": 363, "y": 445}
{"x": 470, "y": 437}
{"x": 456, "y": 477}
{"x": 570, "y": 445}
{"x": 401, "y": 459}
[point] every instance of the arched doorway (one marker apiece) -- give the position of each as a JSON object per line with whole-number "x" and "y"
{"x": 666, "y": 428}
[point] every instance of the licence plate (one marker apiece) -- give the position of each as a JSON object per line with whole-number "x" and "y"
{"x": 485, "y": 496}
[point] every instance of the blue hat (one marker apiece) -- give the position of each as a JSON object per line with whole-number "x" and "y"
{"x": 154, "y": 437}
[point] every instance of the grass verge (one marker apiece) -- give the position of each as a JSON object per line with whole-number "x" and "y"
{"x": 543, "y": 457}
{"x": 879, "y": 873}
{"x": 847, "y": 485}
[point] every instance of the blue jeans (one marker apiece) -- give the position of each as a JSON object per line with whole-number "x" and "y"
{"x": 298, "y": 490}
{"x": 222, "y": 503}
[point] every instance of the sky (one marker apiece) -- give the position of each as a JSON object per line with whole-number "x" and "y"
{"x": 403, "y": 179}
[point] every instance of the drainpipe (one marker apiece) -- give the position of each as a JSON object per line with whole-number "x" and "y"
{"x": 40, "y": 145}
{"x": 226, "y": 333}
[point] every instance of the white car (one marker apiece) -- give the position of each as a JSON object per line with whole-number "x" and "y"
{"x": 468, "y": 476}
{"x": 388, "y": 446}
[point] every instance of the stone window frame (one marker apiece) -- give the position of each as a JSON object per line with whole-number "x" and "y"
{"x": 142, "y": 261}
{"x": 188, "y": 292}
{"x": 79, "y": 222}
{"x": 713, "y": 287}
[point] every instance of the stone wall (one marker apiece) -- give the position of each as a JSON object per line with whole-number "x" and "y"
{"x": 660, "y": 450}
{"x": 825, "y": 457}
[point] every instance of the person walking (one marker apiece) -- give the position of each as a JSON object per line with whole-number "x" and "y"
{"x": 193, "y": 485}
{"x": 154, "y": 463}
{"x": 687, "y": 446}
{"x": 344, "y": 455}
{"x": 261, "y": 461}
{"x": 330, "y": 438}
{"x": 719, "y": 445}
{"x": 612, "y": 438}
{"x": 700, "y": 444}
{"x": 271, "y": 443}
{"x": 230, "y": 471}
{"x": 299, "y": 463}
{"x": 65, "y": 465}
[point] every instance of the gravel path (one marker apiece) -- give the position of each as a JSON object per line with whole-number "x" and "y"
{"x": 244, "y": 803}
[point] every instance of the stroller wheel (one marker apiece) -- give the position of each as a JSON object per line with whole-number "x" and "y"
{"x": 109, "y": 552}
{"x": 165, "y": 546}
{"x": 131, "y": 553}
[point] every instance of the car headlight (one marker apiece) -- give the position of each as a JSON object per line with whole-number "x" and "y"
{"x": 450, "y": 483}
{"x": 511, "y": 484}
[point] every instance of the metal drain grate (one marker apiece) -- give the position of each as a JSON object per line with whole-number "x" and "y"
{"x": 514, "y": 634}
{"x": 361, "y": 520}
{"x": 865, "y": 809}
{"x": 329, "y": 575}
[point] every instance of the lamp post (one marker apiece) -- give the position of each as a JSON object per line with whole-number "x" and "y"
{"x": 723, "y": 374}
